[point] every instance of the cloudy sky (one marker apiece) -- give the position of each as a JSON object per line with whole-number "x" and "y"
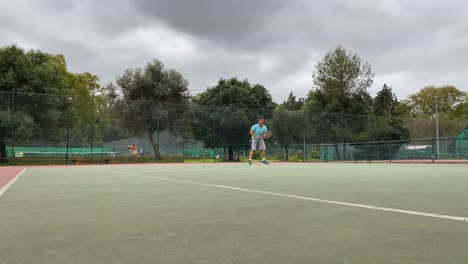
{"x": 277, "y": 43}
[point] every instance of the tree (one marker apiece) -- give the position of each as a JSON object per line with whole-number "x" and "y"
{"x": 447, "y": 98}
{"x": 109, "y": 114}
{"x": 88, "y": 81}
{"x": 155, "y": 99}
{"x": 292, "y": 104}
{"x": 288, "y": 127}
{"x": 32, "y": 84}
{"x": 31, "y": 72}
{"x": 339, "y": 77}
{"x": 24, "y": 125}
{"x": 389, "y": 125}
{"x": 339, "y": 105}
{"x": 224, "y": 113}
{"x": 85, "y": 87}
{"x": 387, "y": 134}
{"x": 420, "y": 110}
{"x": 385, "y": 102}
{"x": 461, "y": 110}
{"x": 386, "y": 126}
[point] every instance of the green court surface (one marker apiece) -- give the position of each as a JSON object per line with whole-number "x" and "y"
{"x": 235, "y": 213}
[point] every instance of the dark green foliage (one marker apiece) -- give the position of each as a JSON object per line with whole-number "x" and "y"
{"x": 155, "y": 99}
{"x": 223, "y": 114}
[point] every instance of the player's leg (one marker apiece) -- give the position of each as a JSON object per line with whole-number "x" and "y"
{"x": 252, "y": 152}
{"x": 262, "y": 147}
{"x": 253, "y": 149}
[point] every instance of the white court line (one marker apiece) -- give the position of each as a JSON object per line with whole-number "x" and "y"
{"x": 10, "y": 183}
{"x": 188, "y": 170}
{"x": 227, "y": 168}
{"x": 371, "y": 207}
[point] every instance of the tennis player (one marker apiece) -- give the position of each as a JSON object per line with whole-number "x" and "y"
{"x": 258, "y": 133}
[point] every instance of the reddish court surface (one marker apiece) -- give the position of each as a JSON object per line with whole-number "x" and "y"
{"x": 8, "y": 173}
{"x": 465, "y": 161}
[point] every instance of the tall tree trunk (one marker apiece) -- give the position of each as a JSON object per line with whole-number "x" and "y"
{"x": 231, "y": 153}
{"x": 344, "y": 152}
{"x": 155, "y": 145}
{"x": 238, "y": 153}
{"x": 286, "y": 149}
{"x": 3, "y": 156}
{"x": 337, "y": 152}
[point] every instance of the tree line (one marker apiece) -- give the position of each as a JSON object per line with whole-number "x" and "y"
{"x": 146, "y": 101}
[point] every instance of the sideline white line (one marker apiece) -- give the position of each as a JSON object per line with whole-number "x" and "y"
{"x": 371, "y": 207}
{"x": 10, "y": 183}
{"x": 187, "y": 170}
{"x": 229, "y": 169}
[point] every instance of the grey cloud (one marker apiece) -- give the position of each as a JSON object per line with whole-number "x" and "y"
{"x": 224, "y": 21}
{"x": 276, "y": 43}
{"x": 114, "y": 17}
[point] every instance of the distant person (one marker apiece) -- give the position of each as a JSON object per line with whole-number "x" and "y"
{"x": 258, "y": 133}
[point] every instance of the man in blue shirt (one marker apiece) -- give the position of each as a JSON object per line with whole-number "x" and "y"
{"x": 258, "y": 133}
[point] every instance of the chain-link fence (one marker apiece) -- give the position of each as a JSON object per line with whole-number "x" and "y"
{"x": 88, "y": 129}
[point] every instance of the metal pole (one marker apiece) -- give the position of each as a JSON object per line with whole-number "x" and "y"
{"x": 157, "y": 137}
{"x": 92, "y": 125}
{"x": 183, "y": 150}
{"x": 437, "y": 130}
{"x": 67, "y": 161}
{"x": 304, "y": 137}
{"x": 13, "y": 121}
{"x": 214, "y": 134}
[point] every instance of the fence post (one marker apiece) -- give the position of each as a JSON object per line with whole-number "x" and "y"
{"x": 183, "y": 150}
{"x": 389, "y": 154}
{"x": 102, "y": 153}
{"x": 67, "y": 157}
{"x": 460, "y": 152}
{"x": 92, "y": 125}
{"x": 304, "y": 137}
{"x": 13, "y": 122}
{"x": 214, "y": 133}
{"x": 433, "y": 154}
{"x": 326, "y": 152}
{"x": 157, "y": 137}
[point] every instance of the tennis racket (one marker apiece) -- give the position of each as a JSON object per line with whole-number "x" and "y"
{"x": 268, "y": 134}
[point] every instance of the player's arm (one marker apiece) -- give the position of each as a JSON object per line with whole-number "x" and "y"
{"x": 252, "y": 133}
{"x": 265, "y": 134}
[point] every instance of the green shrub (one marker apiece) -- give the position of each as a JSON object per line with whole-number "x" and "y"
{"x": 315, "y": 155}
{"x": 300, "y": 154}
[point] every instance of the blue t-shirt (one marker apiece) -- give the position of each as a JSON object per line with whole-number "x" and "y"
{"x": 259, "y": 131}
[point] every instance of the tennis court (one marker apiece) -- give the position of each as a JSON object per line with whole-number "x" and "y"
{"x": 235, "y": 213}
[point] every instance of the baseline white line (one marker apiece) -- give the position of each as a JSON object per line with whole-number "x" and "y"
{"x": 371, "y": 207}
{"x": 10, "y": 183}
